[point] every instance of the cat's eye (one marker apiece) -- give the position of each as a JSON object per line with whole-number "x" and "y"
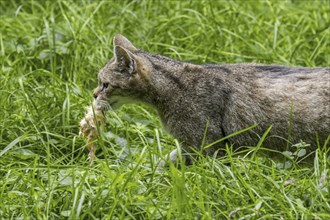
{"x": 105, "y": 85}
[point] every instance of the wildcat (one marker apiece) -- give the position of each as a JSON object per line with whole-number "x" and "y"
{"x": 200, "y": 104}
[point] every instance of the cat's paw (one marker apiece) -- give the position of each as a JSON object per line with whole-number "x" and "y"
{"x": 177, "y": 158}
{"x": 170, "y": 158}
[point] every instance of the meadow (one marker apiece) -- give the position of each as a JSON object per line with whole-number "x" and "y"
{"x": 50, "y": 54}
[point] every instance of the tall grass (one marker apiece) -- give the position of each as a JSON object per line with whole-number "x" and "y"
{"x": 50, "y": 53}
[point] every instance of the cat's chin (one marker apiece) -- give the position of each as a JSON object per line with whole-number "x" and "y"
{"x": 118, "y": 101}
{"x": 115, "y": 105}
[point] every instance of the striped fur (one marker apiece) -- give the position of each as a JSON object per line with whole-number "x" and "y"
{"x": 222, "y": 99}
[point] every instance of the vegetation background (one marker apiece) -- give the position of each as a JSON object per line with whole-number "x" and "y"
{"x": 50, "y": 53}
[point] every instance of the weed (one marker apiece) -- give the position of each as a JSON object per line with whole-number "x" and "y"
{"x": 50, "y": 53}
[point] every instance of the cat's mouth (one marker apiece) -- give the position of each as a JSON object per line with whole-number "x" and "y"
{"x": 102, "y": 105}
{"x": 112, "y": 103}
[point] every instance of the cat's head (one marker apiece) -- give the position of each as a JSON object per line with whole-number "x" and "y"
{"x": 123, "y": 79}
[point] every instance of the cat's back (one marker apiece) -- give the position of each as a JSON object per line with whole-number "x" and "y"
{"x": 275, "y": 79}
{"x": 273, "y": 94}
{"x": 310, "y": 86}
{"x": 276, "y": 75}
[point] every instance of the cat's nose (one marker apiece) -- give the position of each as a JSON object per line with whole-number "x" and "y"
{"x": 96, "y": 93}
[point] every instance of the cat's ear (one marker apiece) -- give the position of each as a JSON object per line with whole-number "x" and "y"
{"x": 122, "y": 41}
{"x": 125, "y": 60}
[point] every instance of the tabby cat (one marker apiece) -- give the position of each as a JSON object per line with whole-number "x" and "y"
{"x": 200, "y": 104}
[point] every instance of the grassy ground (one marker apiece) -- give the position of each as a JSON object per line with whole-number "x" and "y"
{"x": 50, "y": 53}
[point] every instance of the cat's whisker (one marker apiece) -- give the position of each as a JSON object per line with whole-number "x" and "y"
{"x": 102, "y": 105}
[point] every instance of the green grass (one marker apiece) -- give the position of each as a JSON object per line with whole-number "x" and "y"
{"x": 50, "y": 53}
